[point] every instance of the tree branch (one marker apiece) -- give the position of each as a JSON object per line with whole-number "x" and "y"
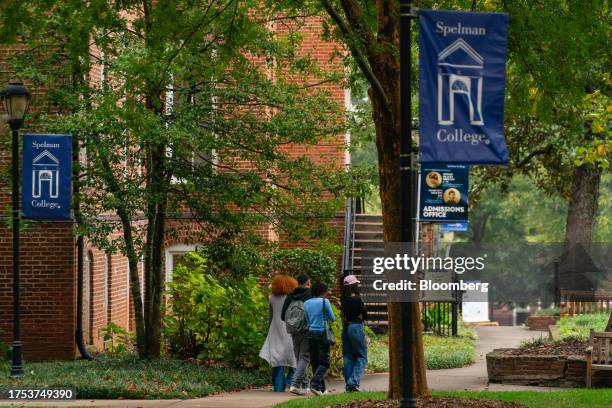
{"x": 538, "y": 152}
{"x": 358, "y": 55}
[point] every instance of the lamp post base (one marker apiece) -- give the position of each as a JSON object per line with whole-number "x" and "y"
{"x": 17, "y": 365}
{"x": 408, "y": 403}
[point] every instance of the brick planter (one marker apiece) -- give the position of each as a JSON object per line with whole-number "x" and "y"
{"x": 541, "y": 323}
{"x": 541, "y": 370}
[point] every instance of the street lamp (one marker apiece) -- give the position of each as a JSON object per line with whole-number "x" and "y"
{"x": 16, "y": 100}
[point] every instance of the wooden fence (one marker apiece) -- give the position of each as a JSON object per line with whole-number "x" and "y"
{"x": 584, "y": 302}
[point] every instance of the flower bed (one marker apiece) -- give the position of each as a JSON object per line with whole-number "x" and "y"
{"x": 541, "y": 323}
{"x": 550, "y": 364}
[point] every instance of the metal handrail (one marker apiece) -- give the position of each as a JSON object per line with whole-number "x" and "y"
{"x": 348, "y": 218}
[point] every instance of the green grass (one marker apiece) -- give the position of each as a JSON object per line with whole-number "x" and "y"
{"x": 597, "y": 398}
{"x": 440, "y": 352}
{"x": 579, "y": 325}
{"x": 131, "y": 378}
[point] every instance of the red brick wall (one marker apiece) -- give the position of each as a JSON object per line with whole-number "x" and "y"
{"x": 48, "y": 277}
{"x": 48, "y": 290}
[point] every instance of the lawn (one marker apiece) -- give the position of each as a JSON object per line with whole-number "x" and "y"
{"x": 131, "y": 378}
{"x": 597, "y": 398}
{"x": 579, "y": 325}
{"x": 440, "y": 352}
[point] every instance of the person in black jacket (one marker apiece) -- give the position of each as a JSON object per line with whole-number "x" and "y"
{"x": 354, "y": 347}
{"x": 299, "y": 385}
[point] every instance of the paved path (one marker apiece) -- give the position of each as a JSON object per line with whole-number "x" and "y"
{"x": 473, "y": 377}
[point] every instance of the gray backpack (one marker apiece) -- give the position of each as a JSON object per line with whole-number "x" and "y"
{"x": 295, "y": 318}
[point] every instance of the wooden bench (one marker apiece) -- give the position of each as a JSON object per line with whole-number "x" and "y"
{"x": 598, "y": 354}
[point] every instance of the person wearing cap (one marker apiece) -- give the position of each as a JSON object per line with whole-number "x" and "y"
{"x": 354, "y": 346}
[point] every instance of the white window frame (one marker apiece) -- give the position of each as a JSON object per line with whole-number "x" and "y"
{"x": 176, "y": 250}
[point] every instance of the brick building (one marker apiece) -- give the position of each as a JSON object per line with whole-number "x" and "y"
{"x": 49, "y": 256}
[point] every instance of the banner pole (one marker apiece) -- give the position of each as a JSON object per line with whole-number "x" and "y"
{"x": 407, "y": 204}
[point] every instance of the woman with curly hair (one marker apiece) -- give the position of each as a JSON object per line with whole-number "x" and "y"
{"x": 278, "y": 347}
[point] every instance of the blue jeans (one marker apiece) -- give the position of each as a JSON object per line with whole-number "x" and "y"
{"x": 279, "y": 379}
{"x": 302, "y": 356}
{"x": 355, "y": 352}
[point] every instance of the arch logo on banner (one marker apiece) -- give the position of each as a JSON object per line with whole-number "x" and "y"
{"x": 462, "y": 74}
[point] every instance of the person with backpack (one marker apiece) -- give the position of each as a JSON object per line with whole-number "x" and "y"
{"x": 277, "y": 350}
{"x": 354, "y": 345}
{"x": 294, "y": 316}
{"x": 319, "y": 315}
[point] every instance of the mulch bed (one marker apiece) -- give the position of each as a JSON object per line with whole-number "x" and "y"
{"x": 435, "y": 402}
{"x": 565, "y": 348}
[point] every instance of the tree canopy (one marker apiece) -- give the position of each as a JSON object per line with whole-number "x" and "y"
{"x": 182, "y": 110}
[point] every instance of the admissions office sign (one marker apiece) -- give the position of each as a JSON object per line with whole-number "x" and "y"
{"x": 462, "y": 74}
{"x": 47, "y": 176}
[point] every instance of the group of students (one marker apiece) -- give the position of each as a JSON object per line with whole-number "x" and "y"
{"x": 300, "y": 334}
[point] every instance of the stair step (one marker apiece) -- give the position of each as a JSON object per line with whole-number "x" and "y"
{"x": 371, "y": 218}
{"x": 368, "y": 226}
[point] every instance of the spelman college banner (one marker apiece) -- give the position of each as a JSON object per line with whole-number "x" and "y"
{"x": 47, "y": 175}
{"x": 462, "y": 72}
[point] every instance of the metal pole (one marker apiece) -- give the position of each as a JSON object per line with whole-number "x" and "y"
{"x": 17, "y": 364}
{"x": 407, "y": 212}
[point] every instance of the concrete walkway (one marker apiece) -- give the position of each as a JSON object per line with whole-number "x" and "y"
{"x": 473, "y": 377}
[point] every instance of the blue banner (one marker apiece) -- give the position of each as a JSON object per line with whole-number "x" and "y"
{"x": 462, "y": 74}
{"x": 47, "y": 177}
{"x": 457, "y": 226}
{"x": 444, "y": 193}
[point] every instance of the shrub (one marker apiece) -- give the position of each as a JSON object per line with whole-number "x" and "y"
{"x": 320, "y": 267}
{"x": 335, "y": 353}
{"x": 551, "y": 311}
{"x": 215, "y": 319}
{"x": 437, "y": 319}
{"x": 448, "y": 352}
{"x": 5, "y": 353}
{"x": 531, "y": 343}
{"x": 4, "y": 348}
{"x": 118, "y": 340}
{"x": 232, "y": 259}
{"x": 440, "y": 352}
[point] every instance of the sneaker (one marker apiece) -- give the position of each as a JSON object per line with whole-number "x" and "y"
{"x": 317, "y": 392}
{"x": 295, "y": 390}
{"x": 305, "y": 391}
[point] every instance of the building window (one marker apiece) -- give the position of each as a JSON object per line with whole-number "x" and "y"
{"x": 174, "y": 257}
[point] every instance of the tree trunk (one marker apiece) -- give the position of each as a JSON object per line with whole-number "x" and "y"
{"x": 156, "y": 234}
{"x": 134, "y": 284}
{"x": 387, "y": 124}
{"x": 478, "y": 226}
{"x": 575, "y": 263}
{"x": 582, "y": 211}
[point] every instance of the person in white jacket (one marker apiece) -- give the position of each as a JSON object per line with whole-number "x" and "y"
{"x": 277, "y": 350}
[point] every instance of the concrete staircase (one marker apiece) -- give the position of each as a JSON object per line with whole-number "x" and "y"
{"x": 368, "y": 243}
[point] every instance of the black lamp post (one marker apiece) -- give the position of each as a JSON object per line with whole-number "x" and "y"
{"x": 16, "y": 100}
{"x": 407, "y": 201}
